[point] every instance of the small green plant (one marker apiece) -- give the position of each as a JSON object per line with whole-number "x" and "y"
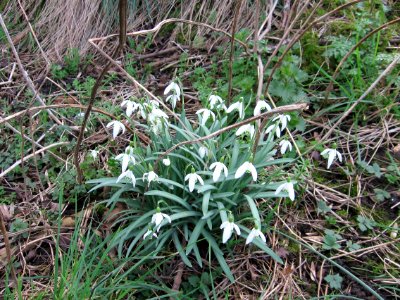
{"x": 331, "y": 240}
{"x": 70, "y": 65}
{"x": 19, "y": 225}
{"x": 365, "y": 223}
{"x": 335, "y": 281}
{"x": 189, "y": 194}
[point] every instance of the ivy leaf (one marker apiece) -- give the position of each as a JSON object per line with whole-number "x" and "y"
{"x": 365, "y": 223}
{"x": 352, "y": 247}
{"x": 335, "y": 281}
{"x": 381, "y": 195}
{"x": 330, "y": 240}
{"x": 322, "y": 208}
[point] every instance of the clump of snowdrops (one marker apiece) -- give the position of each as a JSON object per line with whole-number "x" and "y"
{"x": 202, "y": 194}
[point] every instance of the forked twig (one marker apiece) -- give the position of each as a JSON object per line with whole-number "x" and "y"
{"x": 342, "y": 61}
{"x": 362, "y": 97}
{"x": 278, "y": 110}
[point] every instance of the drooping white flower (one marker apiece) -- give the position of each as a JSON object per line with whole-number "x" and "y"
{"x": 166, "y": 162}
{"x": 148, "y": 232}
{"x": 216, "y": 102}
{"x": 228, "y": 227}
{"x": 332, "y": 154}
{"x": 246, "y": 128}
{"x": 205, "y": 115}
{"x": 176, "y": 93}
{"x": 246, "y": 167}
{"x": 131, "y": 107}
{"x": 126, "y": 158}
{"x": 282, "y": 119}
{"x": 127, "y": 174}
{"x": 117, "y": 127}
{"x": 219, "y": 167}
{"x": 158, "y": 217}
{"x": 287, "y": 186}
{"x": 238, "y": 106}
{"x": 94, "y": 154}
{"x": 174, "y": 88}
{"x": 203, "y": 151}
{"x": 255, "y": 232}
{"x": 276, "y": 128}
{"x": 285, "y": 144}
{"x": 193, "y": 178}
{"x": 260, "y": 106}
{"x": 157, "y": 118}
{"x": 80, "y": 115}
{"x": 151, "y": 176}
{"x": 155, "y": 114}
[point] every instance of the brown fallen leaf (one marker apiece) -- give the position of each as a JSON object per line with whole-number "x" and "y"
{"x": 68, "y": 222}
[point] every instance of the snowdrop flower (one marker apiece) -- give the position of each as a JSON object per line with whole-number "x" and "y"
{"x": 203, "y": 151}
{"x": 155, "y": 114}
{"x": 332, "y": 154}
{"x": 176, "y": 93}
{"x": 228, "y": 227}
{"x": 151, "y": 176}
{"x": 237, "y": 105}
{"x": 282, "y": 119}
{"x": 126, "y": 158}
{"x": 131, "y": 106}
{"x": 246, "y": 167}
{"x": 117, "y": 127}
{"x": 80, "y": 115}
{"x": 193, "y": 178}
{"x": 261, "y": 105}
{"x": 166, "y": 162}
{"x": 274, "y": 127}
{"x": 246, "y": 128}
{"x": 94, "y": 154}
{"x": 205, "y": 115}
{"x": 285, "y": 144}
{"x": 255, "y": 232}
{"x": 127, "y": 174}
{"x": 148, "y": 232}
{"x": 219, "y": 167}
{"x": 216, "y": 102}
{"x": 287, "y": 186}
{"x": 158, "y": 217}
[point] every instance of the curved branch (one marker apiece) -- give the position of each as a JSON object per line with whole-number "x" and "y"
{"x": 330, "y": 86}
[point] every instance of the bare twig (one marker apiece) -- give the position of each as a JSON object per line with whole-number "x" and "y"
{"x": 281, "y": 109}
{"x": 168, "y": 21}
{"x": 362, "y": 97}
{"x": 9, "y": 80}
{"x": 342, "y": 61}
{"x": 23, "y": 72}
{"x": 302, "y": 32}
{"x": 7, "y": 246}
{"x": 34, "y": 35}
{"x": 18, "y": 162}
{"x": 120, "y": 48}
{"x": 231, "y": 54}
{"x": 8, "y": 125}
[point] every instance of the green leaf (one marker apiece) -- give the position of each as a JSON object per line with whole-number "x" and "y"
{"x": 219, "y": 255}
{"x": 335, "y": 281}
{"x": 365, "y": 223}
{"x": 206, "y": 199}
{"x": 254, "y": 210}
{"x": 330, "y": 240}
{"x": 179, "y": 247}
{"x": 170, "y": 196}
{"x": 322, "y": 208}
{"x": 261, "y": 245}
{"x": 195, "y": 236}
